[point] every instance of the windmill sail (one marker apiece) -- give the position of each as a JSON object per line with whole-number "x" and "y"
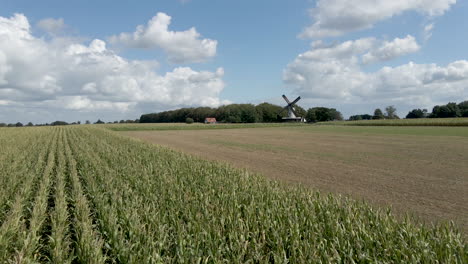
{"x": 292, "y": 114}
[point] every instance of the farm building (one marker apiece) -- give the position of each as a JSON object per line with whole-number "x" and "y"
{"x": 210, "y": 120}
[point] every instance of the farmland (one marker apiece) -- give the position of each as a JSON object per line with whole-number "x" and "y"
{"x": 195, "y": 126}
{"x": 460, "y": 121}
{"x": 416, "y": 170}
{"x": 85, "y": 194}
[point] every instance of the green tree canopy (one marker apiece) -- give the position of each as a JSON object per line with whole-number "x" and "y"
{"x": 267, "y": 112}
{"x": 448, "y": 110}
{"x": 378, "y": 114}
{"x": 59, "y": 123}
{"x": 417, "y": 113}
{"x": 390, "y": 112}
{"x": 321, "y": 114}
{"x": 463, "y": 106}
{"x": 360, "y": 117}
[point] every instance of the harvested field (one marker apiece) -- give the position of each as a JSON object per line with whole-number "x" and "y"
{"x": 417, "y": 170}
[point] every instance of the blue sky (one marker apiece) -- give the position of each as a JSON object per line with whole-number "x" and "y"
{"x": 83, "y": 59}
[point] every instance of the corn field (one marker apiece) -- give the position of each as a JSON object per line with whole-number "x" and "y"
{"x": 81, "y": 194}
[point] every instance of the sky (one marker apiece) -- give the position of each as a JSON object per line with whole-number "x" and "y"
{"x": 113, "y": 60}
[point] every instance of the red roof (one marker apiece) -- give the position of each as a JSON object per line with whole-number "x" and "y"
{"x": 210, "y": 120}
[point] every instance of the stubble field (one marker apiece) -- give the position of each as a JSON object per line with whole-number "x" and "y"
{"x": 421, "y": 171}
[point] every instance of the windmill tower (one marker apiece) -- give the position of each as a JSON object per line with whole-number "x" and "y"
{"x": 292, "y": 115}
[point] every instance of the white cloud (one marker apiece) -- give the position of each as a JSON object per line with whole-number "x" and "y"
{"x": 4, "y": 102}
{"x": 76, "y": 77}
{"x": 51, "y": 25}
{"x": 337, "y": 17}
{"x": 78, "y": 102}
{"x": 181, "y": 46}
{"x": 427, "y": 31}
{"x": 392, "y": 49}
{"x": 334, "y": 74}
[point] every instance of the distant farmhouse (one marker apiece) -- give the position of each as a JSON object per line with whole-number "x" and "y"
{"x": 210, "y": 120}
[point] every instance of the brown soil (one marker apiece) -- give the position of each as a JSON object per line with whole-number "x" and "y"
{"x": 426, "y": 176}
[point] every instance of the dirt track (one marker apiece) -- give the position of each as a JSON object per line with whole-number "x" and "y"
{"x": 422, "y": 175}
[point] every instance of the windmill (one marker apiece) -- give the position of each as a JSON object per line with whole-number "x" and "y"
{"x": 292, "y": 115}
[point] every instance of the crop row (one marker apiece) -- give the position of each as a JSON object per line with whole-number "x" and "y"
{"x": 88, "y": 195}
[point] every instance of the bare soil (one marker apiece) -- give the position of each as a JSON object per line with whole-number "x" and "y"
{"x": 423, "y": 175}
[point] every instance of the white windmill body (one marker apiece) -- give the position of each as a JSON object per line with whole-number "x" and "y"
{"x": 291, "y": 112}
{"x": 292, "y": 115}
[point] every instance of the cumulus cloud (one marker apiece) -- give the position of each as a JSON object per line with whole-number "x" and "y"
{"x": 337, "y": 17}
{"x": 335, "y": 73}
{"x": 90, "y": 77}
{"x": 392, "y": 49}
{"x": 181, "y": 46}
{"x": 51, "y": 25}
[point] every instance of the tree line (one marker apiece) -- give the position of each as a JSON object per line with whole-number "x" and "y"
{"x": 390, "y": 113}
{"x": 442, "y": 111}
{"x": 63, "y": 123}
{"x": 439, "y": 111}
{"x": 269, "y": 113}
{"x": 240, "y": 113}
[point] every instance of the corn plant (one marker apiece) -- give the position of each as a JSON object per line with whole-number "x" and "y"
{"x": 84, "y": 194}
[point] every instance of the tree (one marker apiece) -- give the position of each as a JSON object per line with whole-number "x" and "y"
{"x": 448, "y": 110}
{"x": 200, "y": 113}
{"x": 29, "y": 124}
{"x": 19, "y": 124}
{"x": 248, "y": 113}
{"x": 355, "y": 117}
{"x": 378, "y": 114}
{"x": 321, "y": 114}
{"x": 189, "y": 120}
{"x": 390, "y": 112}
{"x": 417, "y": 113}
{"x": 58, "y": 123}
{"x": 463, "y": 106}
{"x": 360, "y": 117}
{"x": 267, "y": 112}
{"x": 3, "y": 125}
{"x": 237, "y": 113}
{"x": 87, "y": 122}
{"x": 99, "y": 121}
{"x": 300, "y": 112}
